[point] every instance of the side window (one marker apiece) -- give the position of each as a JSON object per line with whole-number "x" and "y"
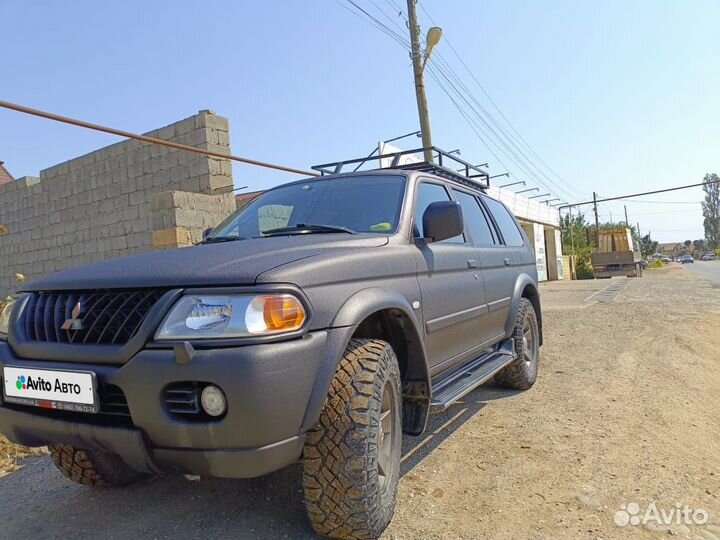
{"x": 428, "y": 193}
{"x": 507, "y": 224}
{"x": 475, "y": 222}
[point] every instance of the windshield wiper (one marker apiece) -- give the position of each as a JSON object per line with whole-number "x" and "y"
{"x": 303, "y": 228}
{"x": 218, "y": 239}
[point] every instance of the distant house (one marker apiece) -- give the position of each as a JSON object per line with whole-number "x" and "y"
{"x": 675, "y": 248}
{"x": 5, "y": 176}
{"x": 243, "y": 198}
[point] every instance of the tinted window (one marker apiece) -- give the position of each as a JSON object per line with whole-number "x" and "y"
{"x": 427, "y": 194}
{"x": 369, "y": 204}
{"x": 507, "y": 224}
{"x": 475, "y": 222}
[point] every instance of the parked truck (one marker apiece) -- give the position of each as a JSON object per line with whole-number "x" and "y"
{"x": 617, "y": 254}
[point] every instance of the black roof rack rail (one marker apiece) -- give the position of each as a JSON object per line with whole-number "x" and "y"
{"x": 467, "y": 173}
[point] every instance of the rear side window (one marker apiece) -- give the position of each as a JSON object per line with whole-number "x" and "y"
{"x": 427, "y": 194}
{"x": 475, "y": 222}
{"x": 507, "y": 224}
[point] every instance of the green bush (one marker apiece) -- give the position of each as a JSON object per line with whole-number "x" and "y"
{"x": 657, "y": 263}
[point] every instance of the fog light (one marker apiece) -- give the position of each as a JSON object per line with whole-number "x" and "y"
{"x": 213, "y": 401}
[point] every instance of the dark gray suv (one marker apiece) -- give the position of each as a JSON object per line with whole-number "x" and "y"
{"x": 319, "y": 323}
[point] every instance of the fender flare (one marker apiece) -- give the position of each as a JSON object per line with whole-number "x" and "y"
{"x": 416, "y": 386}
{"x": 523, "y": 281}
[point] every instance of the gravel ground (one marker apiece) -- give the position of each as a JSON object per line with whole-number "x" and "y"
{"x": 624, "y": 411}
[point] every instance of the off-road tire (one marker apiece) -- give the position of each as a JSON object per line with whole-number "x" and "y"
{"x": 521, "y": 374}
{"x": 91, "y": 467}
{"x": 345, "y": 494}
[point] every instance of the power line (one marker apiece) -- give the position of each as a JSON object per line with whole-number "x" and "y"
{"x": 584, "y": 203}
{"x": 506, "y": 140}
{"x": 487, "y": 95}
{"x": 145, "y": 138}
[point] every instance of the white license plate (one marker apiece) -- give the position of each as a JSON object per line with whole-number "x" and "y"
{"x": 51, "y": 389}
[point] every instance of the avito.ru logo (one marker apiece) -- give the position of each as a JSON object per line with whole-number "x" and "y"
{"x": 20, "y": 384}
{"x": 631, "y": 514}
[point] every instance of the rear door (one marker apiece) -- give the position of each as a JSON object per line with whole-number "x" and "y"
{"x": 501, "y": 263}
{"x": 491, "y": 264}
{"x": 453, "y": 296}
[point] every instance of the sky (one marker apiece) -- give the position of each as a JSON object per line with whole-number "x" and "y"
{"x": 615, "y": 97}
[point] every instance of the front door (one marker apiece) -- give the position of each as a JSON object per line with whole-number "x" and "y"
{"x": 451, "y": 287}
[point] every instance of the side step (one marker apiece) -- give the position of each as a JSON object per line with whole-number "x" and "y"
{"x": 455, "y": 386}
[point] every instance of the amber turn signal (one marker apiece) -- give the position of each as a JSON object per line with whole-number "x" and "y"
{"x": 282, "y": 313}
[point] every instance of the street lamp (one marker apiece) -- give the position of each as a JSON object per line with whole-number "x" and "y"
{"x": 558, "y": 204}
{"x": 530, "y": 189}
{"x": 433, "y": 38}
{"x": 546, "y": 201}
{"x": 536, "y": 196}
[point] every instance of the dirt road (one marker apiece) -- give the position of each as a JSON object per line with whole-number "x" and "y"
{"x": 625, "y": 411}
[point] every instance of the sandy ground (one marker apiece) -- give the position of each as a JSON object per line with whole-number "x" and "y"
{"x": 624, "y": 411}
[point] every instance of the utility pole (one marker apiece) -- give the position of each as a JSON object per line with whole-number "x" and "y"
{"x": 627, "y": 223}
{"x": 573, "y": 273}
{"x": 597, "y": 221}
{"x": 419, "y": 82}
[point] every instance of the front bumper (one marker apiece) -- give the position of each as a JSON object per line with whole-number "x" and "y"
{"x": 275, "y": 392}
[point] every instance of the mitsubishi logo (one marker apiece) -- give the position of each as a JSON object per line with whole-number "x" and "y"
{"x": 74, "y": 323}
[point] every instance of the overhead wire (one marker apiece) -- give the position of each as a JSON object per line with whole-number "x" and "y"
{"x": 519, "y": 138}
{"x": 466, "y": 103}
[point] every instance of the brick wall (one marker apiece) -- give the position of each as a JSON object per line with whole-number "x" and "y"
{"x": 102, "y": 205}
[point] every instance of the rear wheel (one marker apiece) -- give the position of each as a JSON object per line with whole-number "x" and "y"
{"x": 522, "y": 373}
{"x": 352, "y": 456}
{"x": 92, "y": 468}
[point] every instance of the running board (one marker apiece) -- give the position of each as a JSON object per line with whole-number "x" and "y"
{"x": 475, "y": 373}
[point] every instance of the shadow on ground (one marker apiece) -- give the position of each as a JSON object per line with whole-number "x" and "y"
{"x": 37, "y": 502}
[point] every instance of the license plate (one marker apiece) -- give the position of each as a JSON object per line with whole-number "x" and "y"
{"x": 51, "y": 389}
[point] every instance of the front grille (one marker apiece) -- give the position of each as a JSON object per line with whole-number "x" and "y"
{"x": 113, "y": 401}
{"x": 114, "y": 410}
{"x": 107, "y": 317}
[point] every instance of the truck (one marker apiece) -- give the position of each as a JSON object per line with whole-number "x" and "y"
{"x": 318, "y": 324}
{"x": 617, "y": 254}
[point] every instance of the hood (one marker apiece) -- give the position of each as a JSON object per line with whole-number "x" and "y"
{"x": 226, "y": 263}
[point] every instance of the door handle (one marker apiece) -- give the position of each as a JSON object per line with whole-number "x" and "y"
{"x": 507, "y": 261}
{"x": 472, "y": 263}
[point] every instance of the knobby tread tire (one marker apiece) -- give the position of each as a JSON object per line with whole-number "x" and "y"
{"x": 91, "y": 468}
{"x": 519, "y": 375}
{"x": 343, "y": 496}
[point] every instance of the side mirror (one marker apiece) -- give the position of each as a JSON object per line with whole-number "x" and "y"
{"x": 207, "y": 232}
{"x": 442, "y": 220}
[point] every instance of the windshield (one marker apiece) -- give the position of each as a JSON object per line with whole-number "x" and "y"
{"x": 364, "y": 204}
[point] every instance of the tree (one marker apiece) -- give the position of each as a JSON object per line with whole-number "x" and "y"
{"x": 711, "y": 209}
{"x": 687, "y": 243}
{"x": 575, "y": 243}
{"x": 648, "y": 246}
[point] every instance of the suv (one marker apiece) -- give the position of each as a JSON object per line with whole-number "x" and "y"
{"x": 319, "y": 323}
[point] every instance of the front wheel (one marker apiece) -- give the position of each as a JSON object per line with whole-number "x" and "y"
{"x": 522, "y": 373}
{"x": 92, "y": 468}
{"x": 352, "y": 456}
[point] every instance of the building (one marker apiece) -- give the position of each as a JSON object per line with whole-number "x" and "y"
{"x": 126, "y": 198}
{"x": 5, "y": 176}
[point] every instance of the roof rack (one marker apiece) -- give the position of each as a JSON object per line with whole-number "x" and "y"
{"x": 468, "y": 174}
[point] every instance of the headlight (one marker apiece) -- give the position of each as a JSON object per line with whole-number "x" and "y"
{"x": 5, "y": 315}
{"x": 232, "y": 316}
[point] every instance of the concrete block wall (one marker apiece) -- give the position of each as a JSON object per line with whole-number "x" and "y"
{"x": 99, "y": 206}
{"x": 180, "y": 217}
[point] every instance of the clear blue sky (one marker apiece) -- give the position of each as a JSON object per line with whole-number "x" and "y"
{"x": 616, "y": 96}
